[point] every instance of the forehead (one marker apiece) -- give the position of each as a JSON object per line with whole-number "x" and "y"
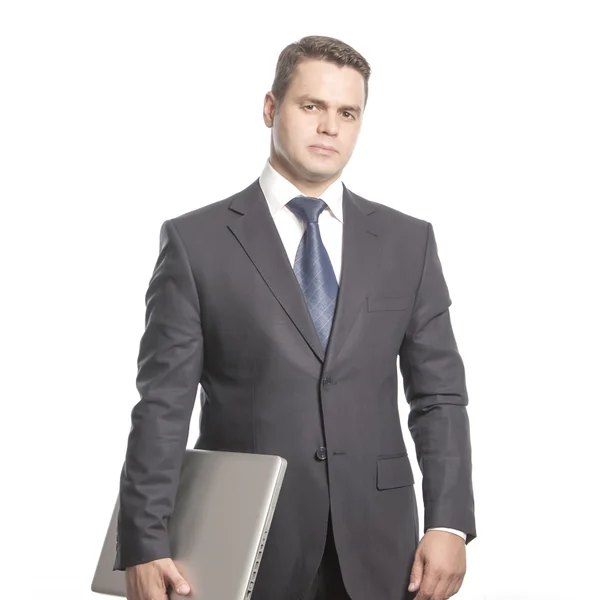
{"x": 328, "y": 81}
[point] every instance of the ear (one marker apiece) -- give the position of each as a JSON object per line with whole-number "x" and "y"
{"x": 270, "y": 105}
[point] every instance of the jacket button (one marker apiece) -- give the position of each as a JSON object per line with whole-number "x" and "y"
{"x": 321, "y": 453}
{"x": 327, "y": 381}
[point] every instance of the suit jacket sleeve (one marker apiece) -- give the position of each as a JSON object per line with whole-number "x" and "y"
{"x": 169, "y": 368}
{"x": 434, "y": 384}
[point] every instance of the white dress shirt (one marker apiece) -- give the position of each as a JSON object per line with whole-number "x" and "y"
{"x": 278, "y": 192}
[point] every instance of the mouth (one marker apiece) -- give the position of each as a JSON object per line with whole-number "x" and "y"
{"x": 322, "y": 149}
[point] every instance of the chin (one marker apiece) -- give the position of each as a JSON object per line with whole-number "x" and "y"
{"x": 323, "y": 164}
{"x": 322, "y": 171}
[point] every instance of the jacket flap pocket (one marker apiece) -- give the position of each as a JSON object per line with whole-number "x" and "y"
{"x": 394, "y": 472}
{"x": 375, "y": 303}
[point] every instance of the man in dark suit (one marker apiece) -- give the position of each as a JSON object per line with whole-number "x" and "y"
{"x": 291, "y": 302}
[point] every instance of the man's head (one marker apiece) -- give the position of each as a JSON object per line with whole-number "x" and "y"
{"x": 318, "y": 97}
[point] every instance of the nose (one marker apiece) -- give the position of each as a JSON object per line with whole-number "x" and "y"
{"x": 328, "y": 123}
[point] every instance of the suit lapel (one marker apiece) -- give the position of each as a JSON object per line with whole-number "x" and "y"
{"x": 258, "y": 235}
{"x": 361, "y": 249}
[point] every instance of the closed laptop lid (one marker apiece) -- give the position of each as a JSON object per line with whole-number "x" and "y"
{"x": 223, "y": 508}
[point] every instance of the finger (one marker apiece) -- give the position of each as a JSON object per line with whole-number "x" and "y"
{"x": 174, "y": 577}
{"x": 455, "y": 585}
{"x": 428, "y": 585}
{"x": 416, "y": 573}
{"x": 445, "y": 586}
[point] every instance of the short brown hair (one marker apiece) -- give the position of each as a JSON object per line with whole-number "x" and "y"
{"x": 317, "y": 47}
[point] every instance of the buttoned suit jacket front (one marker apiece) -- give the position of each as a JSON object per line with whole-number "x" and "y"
{"x": 224, "y": 309}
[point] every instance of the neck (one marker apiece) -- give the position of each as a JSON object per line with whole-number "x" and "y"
{"x": 309, "y": 188}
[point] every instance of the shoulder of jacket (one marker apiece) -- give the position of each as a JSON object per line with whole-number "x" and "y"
{"x": 393, "y": 215}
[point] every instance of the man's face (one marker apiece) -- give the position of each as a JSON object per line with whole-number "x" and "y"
{"x": 322, "y": 106}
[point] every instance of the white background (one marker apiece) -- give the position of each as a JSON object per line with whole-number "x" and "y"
{"x": 483, "y": 118}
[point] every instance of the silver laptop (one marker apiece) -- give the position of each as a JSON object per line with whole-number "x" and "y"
{"x": 223, "y": 509}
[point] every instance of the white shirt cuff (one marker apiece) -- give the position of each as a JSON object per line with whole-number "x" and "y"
{"x": 454, "y": 531}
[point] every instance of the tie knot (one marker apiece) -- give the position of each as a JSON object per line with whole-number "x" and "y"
{"x": 307, "y": 208}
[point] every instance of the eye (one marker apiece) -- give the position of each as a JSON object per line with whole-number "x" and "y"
{"x": 347, "y": 113}
{"x": 309, "y": 105}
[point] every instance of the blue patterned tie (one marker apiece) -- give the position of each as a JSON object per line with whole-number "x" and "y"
{"x": 313, "y": 268}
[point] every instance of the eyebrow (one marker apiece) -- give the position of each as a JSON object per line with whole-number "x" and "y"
{"x": 306, "y": 98}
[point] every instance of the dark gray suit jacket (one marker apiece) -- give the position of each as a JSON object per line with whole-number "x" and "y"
{"x": 224, "y": 309}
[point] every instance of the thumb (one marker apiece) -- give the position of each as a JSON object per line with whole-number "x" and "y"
{"x": 177, "y": 581}
{"x": 416, "y": 573}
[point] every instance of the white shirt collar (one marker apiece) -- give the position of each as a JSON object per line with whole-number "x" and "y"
{"x": 279, "y": 191}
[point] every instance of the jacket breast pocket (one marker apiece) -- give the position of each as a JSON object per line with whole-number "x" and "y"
{"x": 377, "y": 303}
{"x": 394, "y": 472}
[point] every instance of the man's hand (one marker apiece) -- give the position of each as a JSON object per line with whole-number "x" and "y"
{"x": 150, "y": 580}
{"x": 439, "y": 566}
